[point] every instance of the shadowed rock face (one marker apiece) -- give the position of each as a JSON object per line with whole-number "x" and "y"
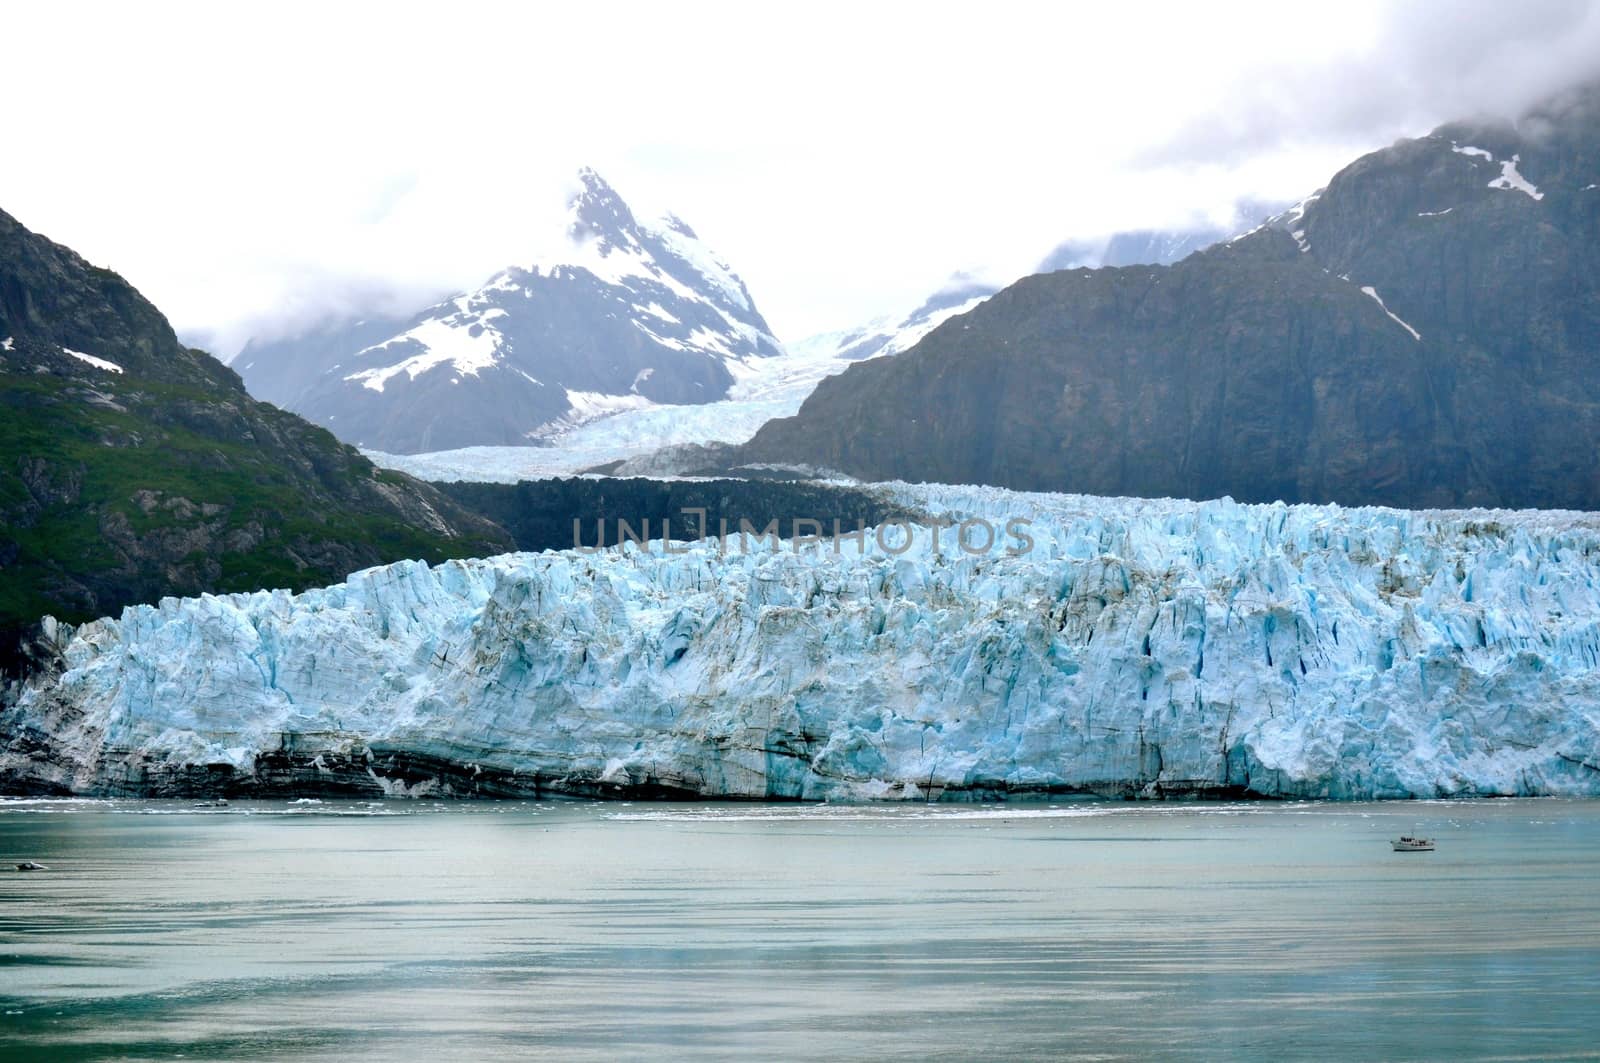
{"x": 136, "y": 467}
{"x": 1265, "y": 368}
{"x": 561, "y": 514}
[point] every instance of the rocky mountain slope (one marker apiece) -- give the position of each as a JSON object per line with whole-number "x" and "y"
{"x": 1143, "y": 247}
{"x": 686, "y": 440}
{"x": 629, "y": 316}
{"x": 1123, "y": 647}
{"x": 1426, "y": 331}
{"x": 132, "y": 467}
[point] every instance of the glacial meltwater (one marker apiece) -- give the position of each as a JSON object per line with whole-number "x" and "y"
{"x": 571, "y": 930}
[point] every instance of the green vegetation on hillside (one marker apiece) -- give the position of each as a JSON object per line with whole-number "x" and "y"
{"x": 167, "y": 478}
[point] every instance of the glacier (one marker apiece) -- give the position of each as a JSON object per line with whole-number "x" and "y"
{"x": 765, "y": 388}
{"x": 1150, "y": 648}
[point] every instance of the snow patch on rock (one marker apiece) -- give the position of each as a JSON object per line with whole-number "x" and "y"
{"x": 1511, "y": 180}
{"x": 89, "y": 359}
{"x": 466, "y": 340}
{"x": 1373, "y": 293}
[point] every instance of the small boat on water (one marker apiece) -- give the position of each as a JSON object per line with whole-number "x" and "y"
{"x": 1411, "y": 843}
{"x": 29, "y": 865}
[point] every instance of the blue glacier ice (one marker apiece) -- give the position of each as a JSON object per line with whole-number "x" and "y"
{"x": 1142, "y": 647}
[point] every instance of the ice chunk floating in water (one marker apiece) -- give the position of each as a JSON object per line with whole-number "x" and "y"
{"x": 1153, "y": 647}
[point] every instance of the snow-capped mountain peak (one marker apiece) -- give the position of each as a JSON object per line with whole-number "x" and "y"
{"x": 597, "y": 212}
{"x": 625, "y": 313}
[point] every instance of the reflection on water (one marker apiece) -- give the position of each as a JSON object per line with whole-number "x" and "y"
{"x": 574, "y": 930}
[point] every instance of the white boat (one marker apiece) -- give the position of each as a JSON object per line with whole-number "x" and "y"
{"x": 1410, "y": 843}
{"x": 29, "y": 865}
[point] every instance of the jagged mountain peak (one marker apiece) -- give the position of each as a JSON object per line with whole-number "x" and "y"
{"x": 599, "y": 213}
{"x": 624, "y": 314}
{"x": 591, "y": 181}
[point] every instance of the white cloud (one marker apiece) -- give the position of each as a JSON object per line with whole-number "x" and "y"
{"x": 252, "y": 168}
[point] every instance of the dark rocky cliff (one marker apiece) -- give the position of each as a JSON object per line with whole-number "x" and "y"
{"x": 1265, "y": 368}
{"x": 540, "y": 514}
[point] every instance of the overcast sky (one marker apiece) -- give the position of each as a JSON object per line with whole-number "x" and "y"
{"x": 252, "y": 167}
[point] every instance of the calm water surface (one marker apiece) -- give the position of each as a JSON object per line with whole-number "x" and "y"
{"x": 333, "y": 931}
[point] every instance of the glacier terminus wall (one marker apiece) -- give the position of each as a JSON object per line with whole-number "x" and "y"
{"x": 1140, "y": 648}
